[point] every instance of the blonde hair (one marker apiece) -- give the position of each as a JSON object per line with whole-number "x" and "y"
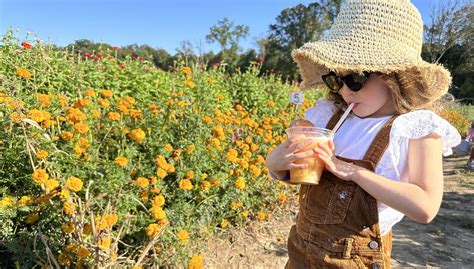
{"x": 408, "y": 92}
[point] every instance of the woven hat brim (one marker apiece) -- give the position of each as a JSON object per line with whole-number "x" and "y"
{"x": 313, "y": 62}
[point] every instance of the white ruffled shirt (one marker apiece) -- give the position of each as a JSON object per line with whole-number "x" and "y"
{"x": 355, "y": 135}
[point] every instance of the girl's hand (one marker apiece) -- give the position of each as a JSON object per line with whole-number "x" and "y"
{"x": 282, "y": 158}
{"x": 341, "y": 169}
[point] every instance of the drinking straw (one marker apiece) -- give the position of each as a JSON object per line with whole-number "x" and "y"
{"x": 341, "y": 120}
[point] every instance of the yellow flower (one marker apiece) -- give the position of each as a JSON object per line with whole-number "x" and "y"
{"x": 153, "y": 229}
{"x": 189, "y": 175}
{"x": 121, "y": 161}
{"x": 41, "y": 154}
{"x": 62, "y": 100}
{"x": 183, "y": 236}
{"x": 142, "y": 182}
{"x": 68, "y": 227}
{"x": 137, "y": 135}
{"x": 82, "y": 252}
{"x": 81, "y": 128}
{"x": 169, "y": 168}
{"x": 190, "y": 149}
{"x": 244, "y": 213}
{"x": 108, "y": 220}
{"x": 106, "y": 93}
{"x": 158, "y": 200}
{"x": 50, "y": 185}
{"x": 22, "y": 72}
{"x": 161, "y": 173}
{"x": 66, "y": 136}
{"x": 196, "y": 262}
{"x": 7, "y": 201}
{"x": 96, "y": 113}
{"x": 205, "y": 185}
{"x": 168, "y": 148}
{"x": 240, "y": 183}
{"x": 261, "y": 216}
{"x": 75, "y": 115}
{"x": 104, "y": 243}
{"x": 281, "y": 198}
{"x": 161, "y": 161}
{"x": 255, "y": 170}
{"x": 69, "y": 208}
{"x": 185, "y": 184}
{"x": 215, "y": 182}
{"x": 158, "y": 213}
{"x": 44, "y": 99}
{"x": 224, "y": 223}
{"x": 24, "y": 200}
{"x": 135, "y": 113}
{"x": 103, "y": 102}
{"x": 189, "y": 83}
{"x": 90, "y": 93}
{"x": 74, "y": 184}
{"x": 32, "y": 218}
{"x": 114, "y": 116}
{"x": 40, "y": 176}
{"x": 186, "y": 70}
{"x": 206, "y": 119}
{"x": 64, "y": 259}
{"x": 38, "y": 115}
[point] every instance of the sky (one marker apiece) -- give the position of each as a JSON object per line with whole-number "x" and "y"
{"x": 159, "y": 23}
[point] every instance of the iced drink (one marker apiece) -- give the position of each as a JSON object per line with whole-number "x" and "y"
{"x": 311, "y": 174}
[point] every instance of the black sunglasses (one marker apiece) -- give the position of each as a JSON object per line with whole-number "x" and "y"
{"x": 354, "y": 81}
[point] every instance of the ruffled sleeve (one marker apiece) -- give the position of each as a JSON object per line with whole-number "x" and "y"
{"x": 321, "y": 113}
{"x": 419, "y": 124}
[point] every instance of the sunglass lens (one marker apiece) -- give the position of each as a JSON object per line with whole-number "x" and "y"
{"x": 333, "y": 82}
{"x": 355, "y": 82}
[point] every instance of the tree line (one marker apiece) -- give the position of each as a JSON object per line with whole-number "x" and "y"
{"x": 447, "y": 41}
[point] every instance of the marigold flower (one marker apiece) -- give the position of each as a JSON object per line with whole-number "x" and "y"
{"x": 170, "y": 168}
{"x": 153, "y": 229}
{"x": 50, "y": 185}
{"x": 38, "y": 115}
{"x": 114, "y": 116}
{"x": 224, "y": 223}
{"x": 142, "y": 182}
{"x": 205, "y": 185}
{"x": 137, "y": 135}
{"x": 215, "y": 182}
{"x": 106, "y": 93}
{"x": 135, "y": 113}
{"x": 161, "y": 173}
{"x": 158, "y": 200}
{"x": 68, "y": 227}
{"x": 185, "y": 184}
{"x": 69, "y": 208}
{"x": 190, "y": 149}
{"x": 196, "y": 262}
{"x": 281, "y": 198}
{"x": 186, "y": 70}
{"x": 40, "y": 176}
{"x": 121, "y": 161}
{"x": 108, "y": 220}
{"x": 44, "y": 99}
{"x": 161, "y": 161}
{"x": 168, "y": 148}
{"x": 244, "y": 213}
{"x": 81, "y": 103}
{"x": 90, "y": 93}
{"x": 64, "y": 194}
{"x": 104, "y": 243}
{"x": 158, "y": 213}
{"x": 189, "y": 83}
{"x": 41, "y": 154}
{"x": 240, "y": 183}
{"x": 87, "y": 229}
{"x": 64, "y": 259}
{"x": 183, "y": 236}
{"x": 7, "y": 201}
{"x": 189, "y": 175}
{"x": 74, "y": 184}
{"x": 22, "y": 72}
{"x": 81, "y": 128}
{"x": 261, "y": 216}
{"x": 75, "y": 115}
{"x": 255, "y": 170}
{"x": 24, "y": 200}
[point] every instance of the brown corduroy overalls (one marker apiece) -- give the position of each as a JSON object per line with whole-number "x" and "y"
{"x": 337, "y": 224}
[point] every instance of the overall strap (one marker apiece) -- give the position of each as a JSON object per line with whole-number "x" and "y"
{"x": 380, "y": 143}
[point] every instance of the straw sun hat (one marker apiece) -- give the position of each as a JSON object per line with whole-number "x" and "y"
{"x": 372, "y": 35}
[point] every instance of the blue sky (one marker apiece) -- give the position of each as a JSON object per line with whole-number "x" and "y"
{"x": 160, "y": 23}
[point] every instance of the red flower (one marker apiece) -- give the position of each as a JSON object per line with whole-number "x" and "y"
{"x": 261, "y": 60}
{"x": 141, "y": 58}
{"x": 134, "y": 57}
{"x": 95, "y": 57}
{"x": 26, "y": 45}
{"x": 110, "y": 57}
{"x": 122, "y": 66}
{"x": 87, "y": 55}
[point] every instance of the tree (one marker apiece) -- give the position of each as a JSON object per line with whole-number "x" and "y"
{"x": 293, "y": 28}
{"x": 186, "y": 52}
{"x": 228, "y": 36}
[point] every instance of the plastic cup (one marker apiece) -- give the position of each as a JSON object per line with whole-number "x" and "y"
{"x": 312, "y": 174}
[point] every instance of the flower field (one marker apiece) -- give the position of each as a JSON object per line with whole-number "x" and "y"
{"x": 116, "y": 163}
{"x": 112, "y": 163}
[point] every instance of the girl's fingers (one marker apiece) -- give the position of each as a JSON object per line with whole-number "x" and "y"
{"x": 301, "y": 155}
{"x": 299, "y": 145}
{"x": 294, "y": 166}
{"x": 331, "y": 144}
{"x": 292, "y": 140}
{"x": 325, "y": 148}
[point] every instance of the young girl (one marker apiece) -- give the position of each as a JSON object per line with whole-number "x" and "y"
{"x": 385, "y": 161}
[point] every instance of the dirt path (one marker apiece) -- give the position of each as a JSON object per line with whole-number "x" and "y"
{"x": 446, "y": 242}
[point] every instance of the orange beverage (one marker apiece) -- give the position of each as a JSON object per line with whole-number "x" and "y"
{"x": 311, "y": 174}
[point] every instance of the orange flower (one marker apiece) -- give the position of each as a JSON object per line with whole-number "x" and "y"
{"x": 115, "y": 116}
{"x": 158, "y": 200}
{"x": 106, "y": 93}
{"x": 185, "y": 184}
{"x": 153, "y": 229}
{"x": 68, "y": 227}
{"x": 22, "y": 72}
{"x": 205, "y": 185}
{"x": 69, "y": 208}
{"x": 137, "y": 135}
{"x": 41, "y": 154}
{"x": 240, "y": 183}
{"x": 81, "y": 128}
{"x": 40, "y": 176}
{"x": 158, "y": 213}
{"x": 142, "y": 182}
{"x": 183, "y": 236}
{"x": 121, "y": 161}
{"x": 103, "y": 102}
{"x": 74, "y": 184}
{"x": 82, "y": 252}
{"x": 66, "y": 136}
{"x": 90, "y": 93}
{"x": 104, "y": 243}
{"x": 196, "y": 262}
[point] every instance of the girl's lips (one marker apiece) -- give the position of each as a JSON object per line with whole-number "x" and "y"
{"x": 355, "y": 105}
